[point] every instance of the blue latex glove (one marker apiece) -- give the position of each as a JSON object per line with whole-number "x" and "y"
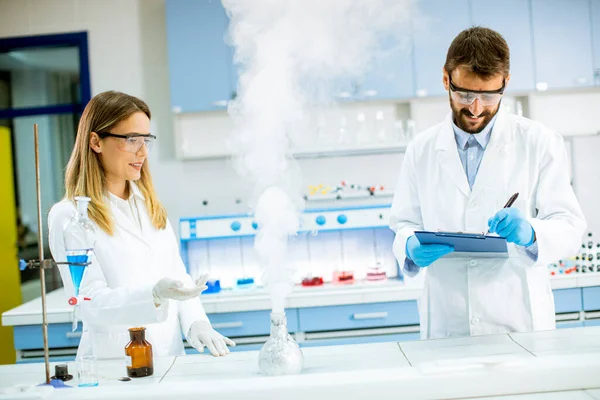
{"x": 510, "y": 223}
{"x": 425, "y": 254}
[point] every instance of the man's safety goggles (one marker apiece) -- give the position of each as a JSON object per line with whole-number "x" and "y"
{"x": 467, "y": 97}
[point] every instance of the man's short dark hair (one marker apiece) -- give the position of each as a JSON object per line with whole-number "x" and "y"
{"x": 483, "y": 51}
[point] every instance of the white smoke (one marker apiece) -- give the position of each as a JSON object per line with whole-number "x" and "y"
{"x": 290, "y": 55}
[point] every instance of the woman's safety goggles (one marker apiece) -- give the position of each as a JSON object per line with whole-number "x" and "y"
{"x": 467, "y": 97}
{"x": 131, "y": 142}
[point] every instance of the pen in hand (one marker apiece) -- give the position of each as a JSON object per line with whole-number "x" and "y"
{"x": 507, "y": 205}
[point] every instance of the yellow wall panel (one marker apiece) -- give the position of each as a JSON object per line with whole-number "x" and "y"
{"x": 10, "y": 282}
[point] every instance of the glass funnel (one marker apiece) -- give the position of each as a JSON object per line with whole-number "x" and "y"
{"x": 80, "y": 237}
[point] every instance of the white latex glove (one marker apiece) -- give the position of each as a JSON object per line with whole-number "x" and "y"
{"x": 168, "y": 288}
{"x": 202, "y": 334}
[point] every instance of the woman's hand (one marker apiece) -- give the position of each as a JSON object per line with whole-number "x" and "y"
{"x": 168, "y": 288}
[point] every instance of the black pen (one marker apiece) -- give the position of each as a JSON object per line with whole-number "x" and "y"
{"x": 509, "y": 203}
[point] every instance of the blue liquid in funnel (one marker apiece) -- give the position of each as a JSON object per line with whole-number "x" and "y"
{"x": 77, "y": 271}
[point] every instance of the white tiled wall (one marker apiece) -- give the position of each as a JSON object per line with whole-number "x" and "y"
{"x": 127, "y": 43}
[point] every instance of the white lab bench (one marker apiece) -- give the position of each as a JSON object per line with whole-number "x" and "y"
{"x": 561, "y": 364}
{"x": 365, "y": 312}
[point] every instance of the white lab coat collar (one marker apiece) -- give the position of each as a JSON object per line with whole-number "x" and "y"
{"x": 124, "y": 222}
{"x": 135, "y": 190}
{"x": 495, "y": 156}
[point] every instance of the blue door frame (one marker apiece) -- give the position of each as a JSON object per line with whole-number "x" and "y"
{"x": 77, "y": 39}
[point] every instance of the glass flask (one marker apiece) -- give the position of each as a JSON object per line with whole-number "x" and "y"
{"x": 363, "y": 136}
{"x": 280, "y": 355}
{"x": 380, "y": 128}
{"x": 79, "y": 237}
{"x": 138, "y": 354}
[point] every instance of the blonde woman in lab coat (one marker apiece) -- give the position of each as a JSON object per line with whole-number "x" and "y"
{"x": 137, "y": 277}
{"x": 458, "y": 175}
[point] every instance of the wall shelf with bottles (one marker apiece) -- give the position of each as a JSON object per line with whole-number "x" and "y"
{"x": 385, "y": 194}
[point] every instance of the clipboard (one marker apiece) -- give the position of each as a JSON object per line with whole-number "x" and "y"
{"x": 467, "y": 244}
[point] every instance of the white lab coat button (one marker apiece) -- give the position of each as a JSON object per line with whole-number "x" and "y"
{"x": 473, "y": 263}
{"x": 474, "y": 321}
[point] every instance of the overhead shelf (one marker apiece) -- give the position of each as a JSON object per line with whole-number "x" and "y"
{"x": 346, "y": 151}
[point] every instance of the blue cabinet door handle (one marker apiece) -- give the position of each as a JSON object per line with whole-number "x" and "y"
{"x": 73, "y": 335}
{"x": 373, "y": 315}
{"x": 226, "y": 325}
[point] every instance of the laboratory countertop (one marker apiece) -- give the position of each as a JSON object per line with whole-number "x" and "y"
{"x": 560, "y": 364}
{"x": 58, "y": 310}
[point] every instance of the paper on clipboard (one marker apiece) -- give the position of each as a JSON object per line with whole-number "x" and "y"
{"x": 466, "y": 244}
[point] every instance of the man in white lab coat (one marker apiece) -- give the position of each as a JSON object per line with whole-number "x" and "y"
{"x": 458, "y": 175}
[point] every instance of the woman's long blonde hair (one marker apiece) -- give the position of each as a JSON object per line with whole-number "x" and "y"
{"x": 85, "y": 175}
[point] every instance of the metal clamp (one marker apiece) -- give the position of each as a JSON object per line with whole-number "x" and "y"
{"x": 47, "y": 264}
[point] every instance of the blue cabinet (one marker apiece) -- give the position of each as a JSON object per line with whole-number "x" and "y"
{"x": 592, "y": 322}
{"x": 568, "y": 300}
{"x": 250, "y": 323}
{"x": 436, "y": 25}
{"x": 562, "y": 39}
{"x": 357, "y": 316}
{"x": 391, "y": 75}
{"x": 596, "y": 39}
{"x": 28, "y": 337}
{"x": 512, "y": 19}
{"x": 591, "y": 298}
{"x": 200, "y": 62}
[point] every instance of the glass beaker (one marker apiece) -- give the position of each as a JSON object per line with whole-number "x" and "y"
{"x": 87, "y": 371}
{"x": 376, "y": 273}
{"x": 343, "y": 277}
{"x": 310, "y": 280}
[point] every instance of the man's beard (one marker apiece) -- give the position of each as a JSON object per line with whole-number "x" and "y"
{"x": 459, "y": 116}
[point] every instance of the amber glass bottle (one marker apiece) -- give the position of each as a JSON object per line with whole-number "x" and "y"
{"x": 138, "y": 353}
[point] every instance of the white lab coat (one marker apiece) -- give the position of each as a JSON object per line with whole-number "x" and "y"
{"x": 120, "y": 280}
{"x": 476, "y": 296}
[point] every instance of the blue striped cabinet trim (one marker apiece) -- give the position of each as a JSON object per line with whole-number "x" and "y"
{"x": 568, "y": 300}
{"x": 250, "y": 323}
{"x": 592, "y": 322}
{"x": 358, "y": 316}
{"x": 591, "y": 298}
{"x": 564, "y": 325}
{"x": 54, "y": 359}
{"x": 59, "y": 335}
